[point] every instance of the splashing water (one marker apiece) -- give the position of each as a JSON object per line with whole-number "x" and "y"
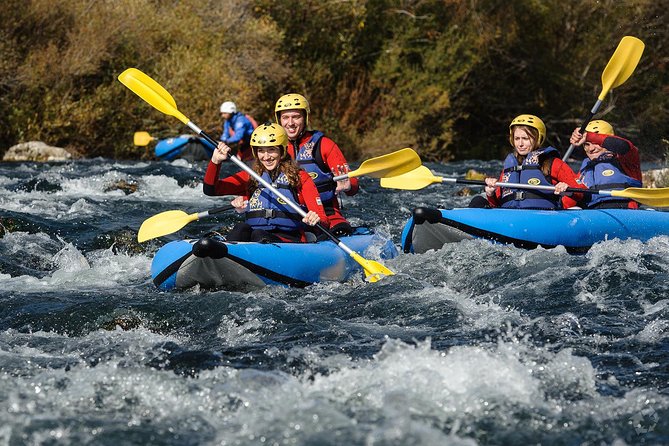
{"x": 474, "y": 343}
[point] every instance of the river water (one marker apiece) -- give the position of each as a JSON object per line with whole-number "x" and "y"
{"x": 472, "y": 344}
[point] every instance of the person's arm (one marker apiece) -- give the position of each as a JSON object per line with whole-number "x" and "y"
{"x": 493, "y": 193}
{"x": 225, "y": 136}
{"x": 335, "y": 160}
{"x": 236, "y": 184}
{"x": 562, "y": 173}
{"x": 612, "y": 143}
{"x": 309, "y": 197}
{"x": 626, "y": 153}
{"x": 631, "y": 163}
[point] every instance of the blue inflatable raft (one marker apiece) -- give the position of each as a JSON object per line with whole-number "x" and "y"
{"x": 212, "y": 262}
{"x": 188, "y": 147}
{"x": 576, "y": 230}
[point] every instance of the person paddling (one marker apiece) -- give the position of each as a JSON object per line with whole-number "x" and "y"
{"x": 530, "y": 164}
{"x": 318, "y": 155}
{"x": 237, "y": 130}
{"x": 612, "y": 163}
{"x": 268, "y": 218}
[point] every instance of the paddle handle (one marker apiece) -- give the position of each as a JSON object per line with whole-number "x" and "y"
{"x": 462, "y": 181}
{"x": 214, "y": 211}
{"x": 587, "y": 119}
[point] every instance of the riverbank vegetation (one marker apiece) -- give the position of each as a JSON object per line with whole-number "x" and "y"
{"x": 442, "y": 76}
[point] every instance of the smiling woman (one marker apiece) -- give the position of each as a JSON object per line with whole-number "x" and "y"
{"x": 268, "y": 156}
{"x": 268, "y": 217}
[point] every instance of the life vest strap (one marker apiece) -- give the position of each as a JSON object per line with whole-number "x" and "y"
{"x": 610, "y": 186}
{"x": 520, "y": 168}
{"x": 522, "y": 195}
{"x": 272, "y": 213}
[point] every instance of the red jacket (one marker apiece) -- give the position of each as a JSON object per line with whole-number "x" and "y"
{"x": 334, "y": 159}
{"x": 237, "y": 184}
{"x": 626, "y": 153}
{"x": 560, "y": 172}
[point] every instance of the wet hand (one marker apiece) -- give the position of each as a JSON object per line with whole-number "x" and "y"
{"x": 490, "y": 186}
{"x": 577, "y": 138}
{"x": 345, "y": 184}
{"x": 221, "y": 153}
{"x": 240, "y": 204}
{"x": 560, "y": 188}
{"x": 311, "y": 218}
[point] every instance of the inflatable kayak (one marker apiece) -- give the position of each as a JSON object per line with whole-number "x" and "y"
{"x": 188, "y": 147}
{"x": 576, "y": 230}
{"x": 212, "y": 262}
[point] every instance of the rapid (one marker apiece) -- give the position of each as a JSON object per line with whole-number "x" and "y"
{"x": 475, "y": 343}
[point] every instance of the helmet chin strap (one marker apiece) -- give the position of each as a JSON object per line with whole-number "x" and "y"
{"x": 296, "y": 141}
{"x": 299, "y": 135}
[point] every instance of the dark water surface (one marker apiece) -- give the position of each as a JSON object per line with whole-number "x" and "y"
{"x": 471, "y": 344}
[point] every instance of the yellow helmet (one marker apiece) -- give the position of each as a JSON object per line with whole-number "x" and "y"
{"x": 599, "y": 126}
{"x": 269, "y": 135}
{"x": 531, "y": 121}
{"x": 292, "y": 101}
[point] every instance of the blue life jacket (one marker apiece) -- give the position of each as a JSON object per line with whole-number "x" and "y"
{"x": 528, "y": 173}
{"x": 269, "y": 212}
{"x": 604, "y": 173}
{"x": 308, "y": 156}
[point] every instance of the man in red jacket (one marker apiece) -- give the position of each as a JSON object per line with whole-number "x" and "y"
{"x": 318, "y": 155}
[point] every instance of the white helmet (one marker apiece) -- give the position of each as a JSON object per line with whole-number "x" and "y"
{"x": 228, "y": 107}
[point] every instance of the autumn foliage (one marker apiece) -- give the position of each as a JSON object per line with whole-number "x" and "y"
{"x": 442, "y": 76}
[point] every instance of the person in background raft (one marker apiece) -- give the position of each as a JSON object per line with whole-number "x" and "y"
{"x": 612, "y": 163}
{"x": 530, "y": 164}
{"x": 318, "y": 155}
{"x": 237, "y": 130}
{"x": 268, "y": 219}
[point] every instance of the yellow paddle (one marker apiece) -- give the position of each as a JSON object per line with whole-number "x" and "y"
{"x": 620, "y": 67}
{"x": 389, "y": 165}
{"x": 423, "y": 177}
{"x": 171, "y": 221}
{"x": 142, "y": 138}
{"x": 153, "y": 93}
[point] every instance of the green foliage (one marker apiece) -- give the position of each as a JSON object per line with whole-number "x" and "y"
{"x": 61, "y": 80}
{"x": 548, "y": 61}
{"x": 443, "y": 76}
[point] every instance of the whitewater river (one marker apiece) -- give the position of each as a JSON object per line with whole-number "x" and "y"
{"x": 472, "y": 344}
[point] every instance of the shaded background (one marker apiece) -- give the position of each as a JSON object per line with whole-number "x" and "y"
{"x": 444, "y": 77}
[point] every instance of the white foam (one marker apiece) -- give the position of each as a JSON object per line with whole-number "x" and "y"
{"x": 654, "y": 332}
{"x": 72, "y": 269}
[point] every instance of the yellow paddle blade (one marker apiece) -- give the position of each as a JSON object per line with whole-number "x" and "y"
{"x": 650, "y": 197}
{"x": 622, "y": 64}
{"x": 142, "y": 138}
{"x": 412, "y": 180}
{"x": 389, "y": 165}
{"x": 374, "y": 271}
{"x": 152, "y": 92}
{"x": 163, "y": 224}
